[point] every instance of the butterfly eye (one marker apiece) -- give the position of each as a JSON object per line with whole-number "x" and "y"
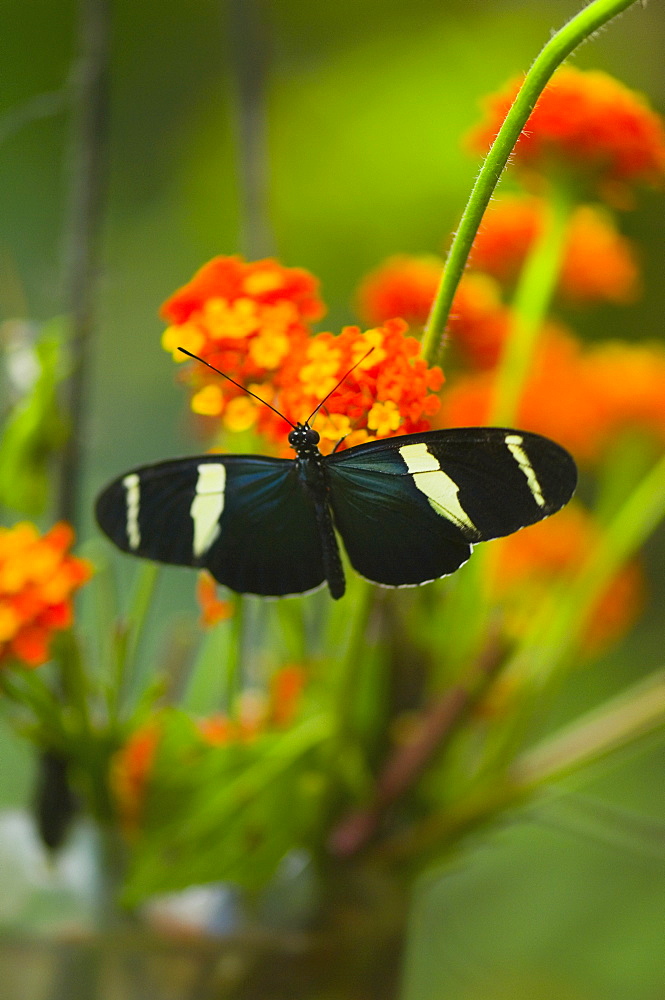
{"x": 312, "y": 436}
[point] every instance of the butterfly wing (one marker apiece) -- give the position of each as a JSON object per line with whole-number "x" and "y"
{"x": 245, "y": 518}
{"x": 409, "y": 509}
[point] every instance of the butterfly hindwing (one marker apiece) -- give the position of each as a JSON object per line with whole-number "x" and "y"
{"x": 244, "y": 518}
{"x": 390, "y": 536}
{"x": 409, "y": 508}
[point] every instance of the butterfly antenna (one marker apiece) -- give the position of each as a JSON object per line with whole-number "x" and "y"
{"x": 335, "y": 388}
{"x": 243, "y": 387}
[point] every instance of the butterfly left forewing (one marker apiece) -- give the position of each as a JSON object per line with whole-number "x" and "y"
{"x": 245, "y": 518}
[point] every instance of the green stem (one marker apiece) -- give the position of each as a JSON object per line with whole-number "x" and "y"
{"x": 579, "y": 28}
{"x": 128, "y": 642}
{"x": 350, "y": 664}
{"x": 532, "y": 298}
{"x": 75, "y": 684}
{"x": 234, "y": 667}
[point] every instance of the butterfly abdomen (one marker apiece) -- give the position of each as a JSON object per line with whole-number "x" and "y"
{"x": 312, "y": 475}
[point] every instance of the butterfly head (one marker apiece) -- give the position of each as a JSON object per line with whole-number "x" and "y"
{"x": 304, "y": 440}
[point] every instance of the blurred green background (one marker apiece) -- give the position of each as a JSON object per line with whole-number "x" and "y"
{"x": 366, "y": 106}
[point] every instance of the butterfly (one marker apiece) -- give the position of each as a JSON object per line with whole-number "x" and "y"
{"x": 408, "y": 509}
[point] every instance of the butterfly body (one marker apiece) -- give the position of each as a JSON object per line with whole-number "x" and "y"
{"x": 408, "y": 509}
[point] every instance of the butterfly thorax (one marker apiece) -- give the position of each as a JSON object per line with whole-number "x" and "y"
{"x": 305, "y": 440}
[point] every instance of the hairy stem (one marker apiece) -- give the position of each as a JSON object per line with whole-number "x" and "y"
{"x": 559, "y": 47}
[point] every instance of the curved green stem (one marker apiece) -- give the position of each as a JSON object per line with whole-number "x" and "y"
{"x": 532, "y": 298}
{"x": 580, "y": 27}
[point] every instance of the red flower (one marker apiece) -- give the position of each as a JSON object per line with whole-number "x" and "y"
{"x": 587, "y": 122}
{"x": 213, "y": 609}
{"x": 130, "y": 771}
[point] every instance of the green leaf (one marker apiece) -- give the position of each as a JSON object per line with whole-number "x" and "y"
{"x": 226, "y": 812}
{"x": 34, "y": 429}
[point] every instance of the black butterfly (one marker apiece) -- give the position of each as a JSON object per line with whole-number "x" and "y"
{"x": 409, "y": 509}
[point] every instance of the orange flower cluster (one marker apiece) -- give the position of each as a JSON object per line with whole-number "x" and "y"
{"x": 581, "y": 397}
{"x": 244, "y": 318}
{"x": 599, "y": 264}
{"x": 586, "y": 122}
{"x": 390, "y": 391}
{"x": 528, "y": 561}
{"x": 37, "y": 580}
{"x": 130, "y": 771}
{"x": 258, "y": 712}
{"x": 132, "y": 765}
{"x": 402, "y": 286}
{"x": 251, "y": 321}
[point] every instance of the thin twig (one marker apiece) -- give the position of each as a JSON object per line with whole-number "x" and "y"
{"x": 408, "y": 762}
{"x": 249, "y": 51}
{"x": 88, "y": 160}
{"x": 45, "y": 105}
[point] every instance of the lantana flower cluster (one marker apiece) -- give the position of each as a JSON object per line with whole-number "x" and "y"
{"x": 252, "y": 322}
{"x": 587, "y": 124}
{"x": 38, "y": 577}
{"x": 257, "y": 712}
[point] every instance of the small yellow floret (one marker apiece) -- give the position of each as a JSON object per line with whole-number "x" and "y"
{"x": 185, "y": 335}
{"x": 208, "y": 401}
{"x": 240, "y": 414}
{"x": 384, "y": 418}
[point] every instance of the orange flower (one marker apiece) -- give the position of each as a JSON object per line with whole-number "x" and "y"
{"x": 213, "y": 610}
{"x": 582, "y": 398}
{"x": 286, "y": 687}
{"x": 37, "y": 580}
{"x": 629, "y": 378}
{"x": 599, "y": 264}
{"x": 479, "y": 321}
{"x": 391, "y": 391}
{"x": 401, "y": 286}
{"x": 241, "y": 317}
{"x": 528, "y": 561}
{"x": 258, "y": 712}
{"x": 130, "y": 772}
{"x": 405, "y": 286}
{"x": 586, "y": 122}
{"x": 229, "y": 280}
